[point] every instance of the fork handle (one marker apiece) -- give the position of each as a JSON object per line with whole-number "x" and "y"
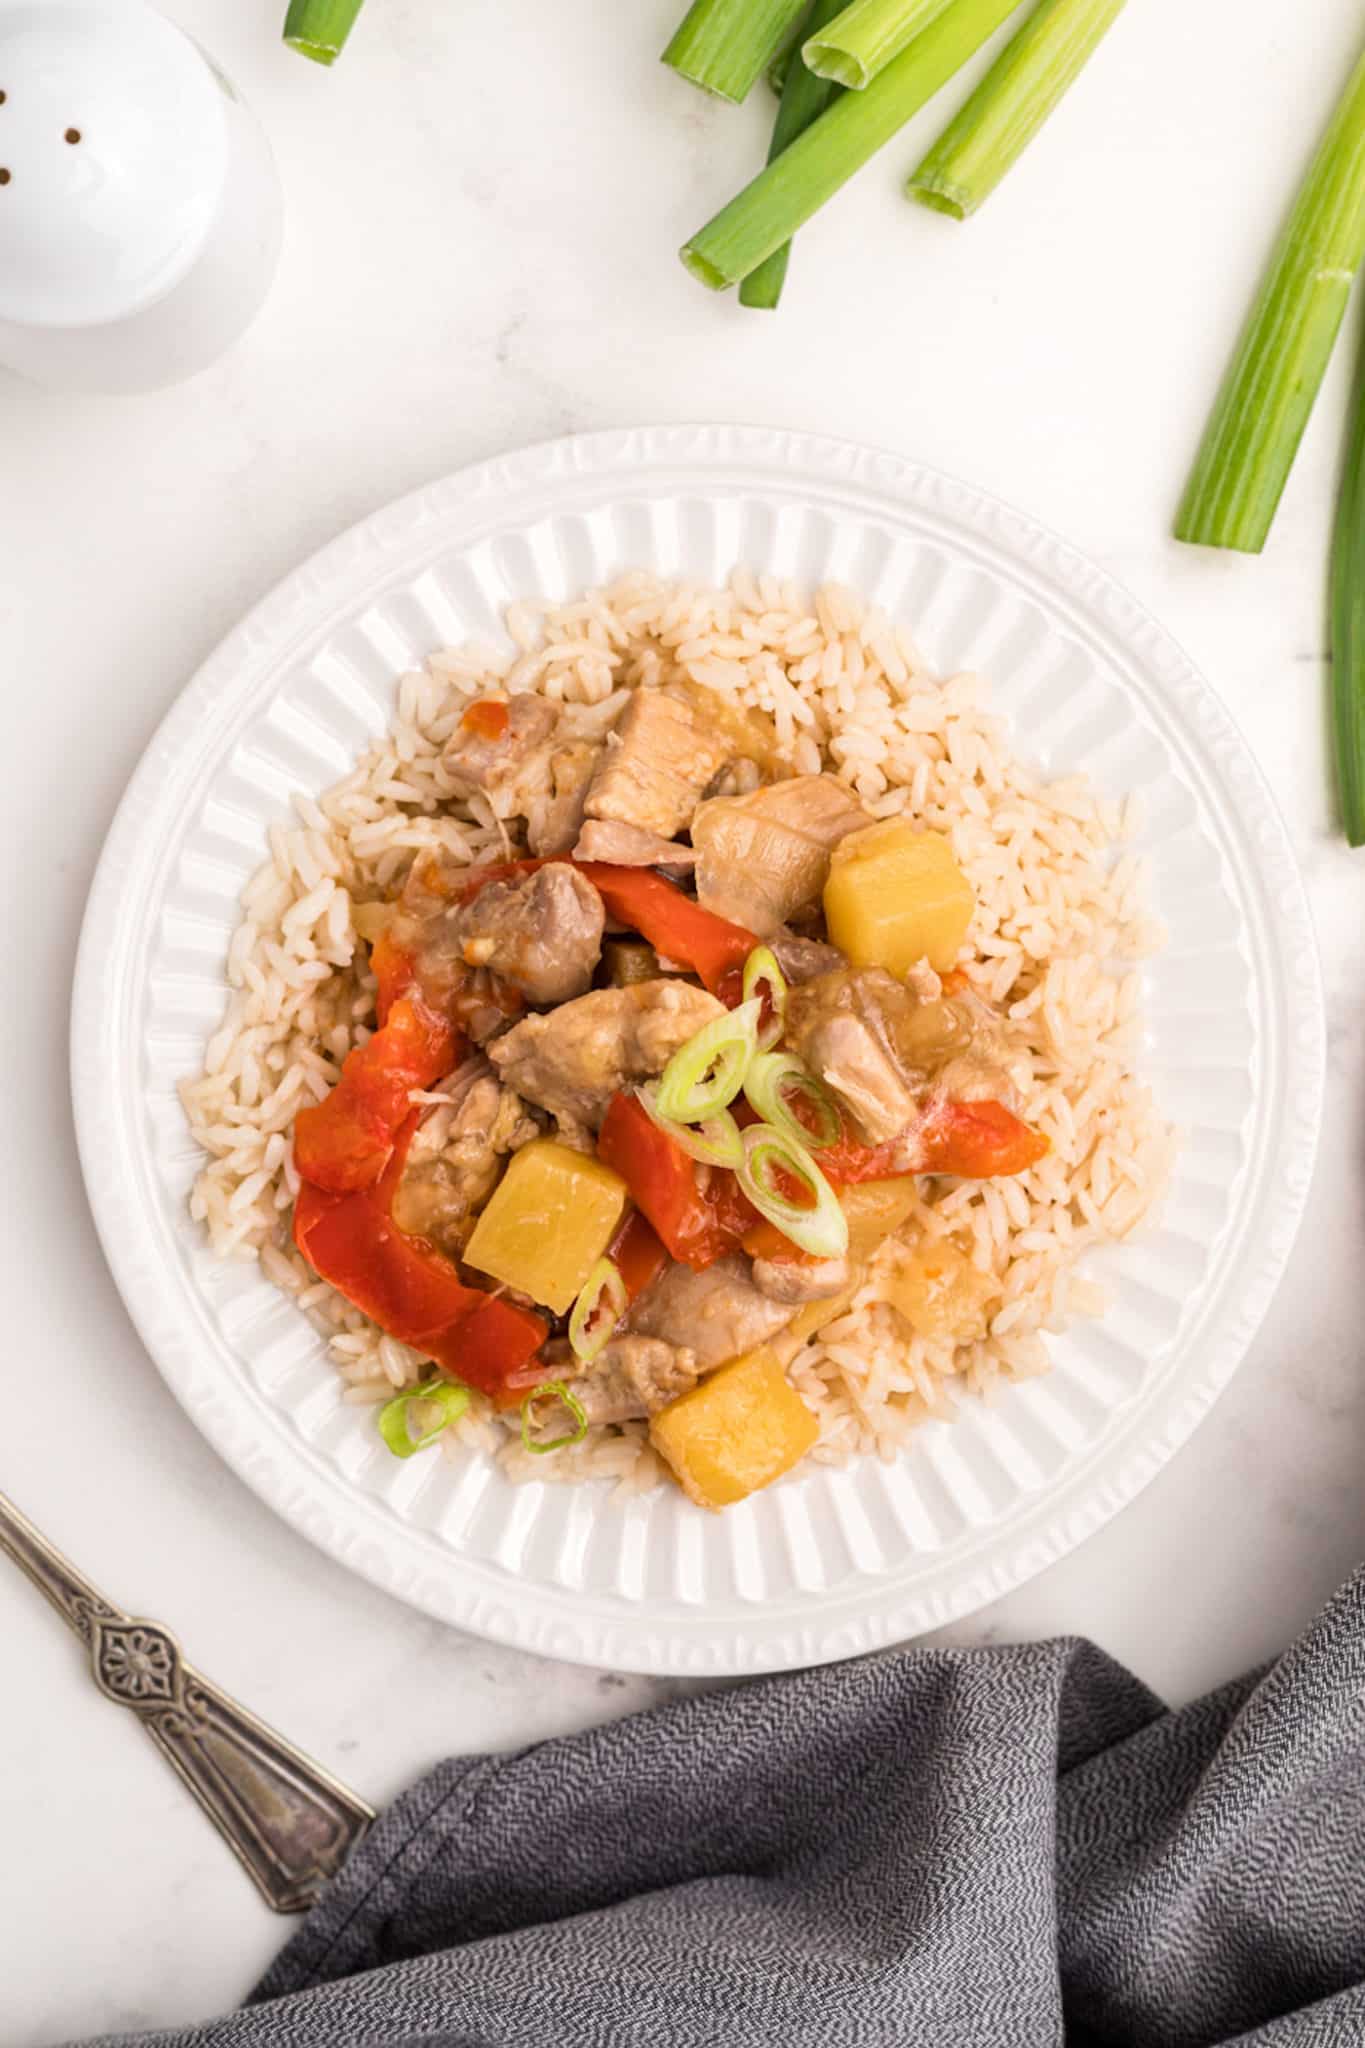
{"x": 289, "y": 1822}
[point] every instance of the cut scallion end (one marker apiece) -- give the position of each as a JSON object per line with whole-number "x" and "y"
{"x": 442, "y": 1402}
{"x": 598, "y": 1309}
{"x": 1268, "y": 391}
{"x": 1010, "y": 105}
{"x": 556, "y": 1390}
{"x": 1348, "y": 626}
{"x": 861, "y": 40}
{"x": 773, "y": 1164}
{"x": 319, "y": 28}
{"x": 722, "y": 45}
{"x": 705, "y": 1075}
{"x": 804, "y": 99}
{"x": 716, "y": 1142}
{"x": 797, "y": 183}
{"x": 772, "y": 1079}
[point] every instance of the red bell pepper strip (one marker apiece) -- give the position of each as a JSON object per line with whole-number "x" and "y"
{"x": 637, "y": 1254}
{"x": 406, "y": 1286}
{"x": 346, "y": 1140}
{"x": 697, "y": 1227}
{"x": 972, "y": 1140}
{"x": 658, "y": 910}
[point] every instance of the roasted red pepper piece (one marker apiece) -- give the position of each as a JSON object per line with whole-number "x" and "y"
{"x": 695, "y": 1226}
{"x": 980, "y": 1141}
{"x": 637, "y": 1254}
{"x": 346, "y": 1140}
{"x": 409, "y": 1288}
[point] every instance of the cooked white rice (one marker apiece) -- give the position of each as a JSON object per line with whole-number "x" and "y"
{"x": 1059, "y": 922}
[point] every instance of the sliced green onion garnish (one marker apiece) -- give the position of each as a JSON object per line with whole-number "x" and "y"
{"x": 396, "y": 1417}
{"x": 862, "y": 40}
{"x": 761, "y": 972}
{"x": 1268, "y": 391}
{"x": 772, "y": 1076}
{"x": 318, "y": 28}
{"x": 722, "y": 45}
{"x": 708, "y": 1072}
{"x": 715, "y": 1142}
{"x": 575, "y": 1408}
{"x": 797, "y": 183}
{"x": 1011, "y": 103}
{"x": 804, "y": 98}
{"x": 599, "y": 1308}
{"x": 818, "y": 1226}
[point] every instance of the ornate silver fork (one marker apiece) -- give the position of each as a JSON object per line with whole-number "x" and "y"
{"x": 289, "y": 1823}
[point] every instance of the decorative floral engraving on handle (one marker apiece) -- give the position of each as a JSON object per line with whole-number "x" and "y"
{"x": 290, "y": 1823}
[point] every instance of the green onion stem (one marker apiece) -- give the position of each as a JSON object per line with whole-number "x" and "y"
{"x": 817, "y": 1225}
{"x": 1011, "y": 103}
{"x": 864, "y": 38}
{"x": 560, "y": 1393}
{"x": 447, "y": 1399}
{"x": 1268, "y": 391}
{"x": 318, "y": 28}
{"x": 1348, "y": 625}
{"x": 804, "y": 99}
{"x": 796, "y": 184}
{"x": 706, "y": 1074}
{"x": 722, "y": 45}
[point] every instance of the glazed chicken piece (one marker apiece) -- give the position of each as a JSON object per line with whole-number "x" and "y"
{"x": 657, "y": 763}
{"x": 630, "y": 846}
{"x": 882, "y": 1046}
{"x": 764, "y": 858}
{"x": 574, "y": 1059}
{"x": 717, "y": 1314}
{"x": 457, "y": 1157}
{"x": 542, "y": 933}
{"x": 797, "y": 1281}
{"x": 632, "y": 1377}
{"x": 554, "y": 812}
{"x": 500, "y": 750}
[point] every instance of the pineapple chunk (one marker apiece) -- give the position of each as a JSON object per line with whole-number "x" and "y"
{"x": 547, "y": 1223}
{"x": 738, "y": 1430}
{"x": 874, "y": 1209}
{"x": 941, "y": 1293}
{"x": 896, "y": 896}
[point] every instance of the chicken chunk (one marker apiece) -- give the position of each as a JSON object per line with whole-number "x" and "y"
{"x": 764, "y": 858}
{"x": 502, "y": 759}
{"x": 554, "y": 811}
{"x": 717, "y": 1314}
{"x": 541, "y": 933}
{"x": 573, "y": 1060}
{"x": 657, "y": 763}
{"x": 457, "y": 1157}
{"x": 802, "y": 959}
{"x": 630, "y": 846}
{"x": 840, "y": 1025}
{"x": 797, "y": 1281}
{"x": 632, "y": 1377}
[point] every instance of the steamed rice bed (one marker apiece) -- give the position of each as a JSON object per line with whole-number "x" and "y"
{"x": 1058, "y": 923}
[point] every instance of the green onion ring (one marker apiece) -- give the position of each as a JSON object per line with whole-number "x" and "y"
{"x": 772, "y": 1072}
{"x": 395, "y": 1425}
{"x": 761, "y": 970}
{"x": 707, "y": 1073}
{"x": 822, "y": 1227}
{"x": 575, "y": 1408}
{"x": 599, "y": 1308}
{"x": 715, "y": 1142}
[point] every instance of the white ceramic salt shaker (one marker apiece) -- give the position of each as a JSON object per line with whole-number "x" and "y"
{"x": 139, "y": 204}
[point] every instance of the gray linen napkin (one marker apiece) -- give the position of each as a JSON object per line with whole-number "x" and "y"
{"x": 929, "y": 1847}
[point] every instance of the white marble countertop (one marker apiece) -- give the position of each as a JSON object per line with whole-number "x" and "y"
{"x": 483, "y": 205}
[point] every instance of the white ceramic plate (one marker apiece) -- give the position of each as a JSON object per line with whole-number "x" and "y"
{"x": 827, "y": 1563}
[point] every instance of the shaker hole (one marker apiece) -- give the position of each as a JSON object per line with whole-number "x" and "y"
{"x": 73, "y": 134}
{"x": 3, "y": 97}
{"x": 4, "y": 176}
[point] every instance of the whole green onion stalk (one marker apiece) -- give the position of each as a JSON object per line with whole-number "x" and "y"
{"x": 804, "y": 99}
{"x": 1011, "y": 103}
{"x": 1268, "y": 391}
{"x": 722, "y": 45}
{"x": 1348, "y": 625}
{"x": 861, "y": 40}
{"x": 797, "y": 183}
{"x": 319, "y": 28}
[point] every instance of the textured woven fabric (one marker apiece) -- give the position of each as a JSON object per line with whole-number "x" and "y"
{"x": 993, "y": 1847}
